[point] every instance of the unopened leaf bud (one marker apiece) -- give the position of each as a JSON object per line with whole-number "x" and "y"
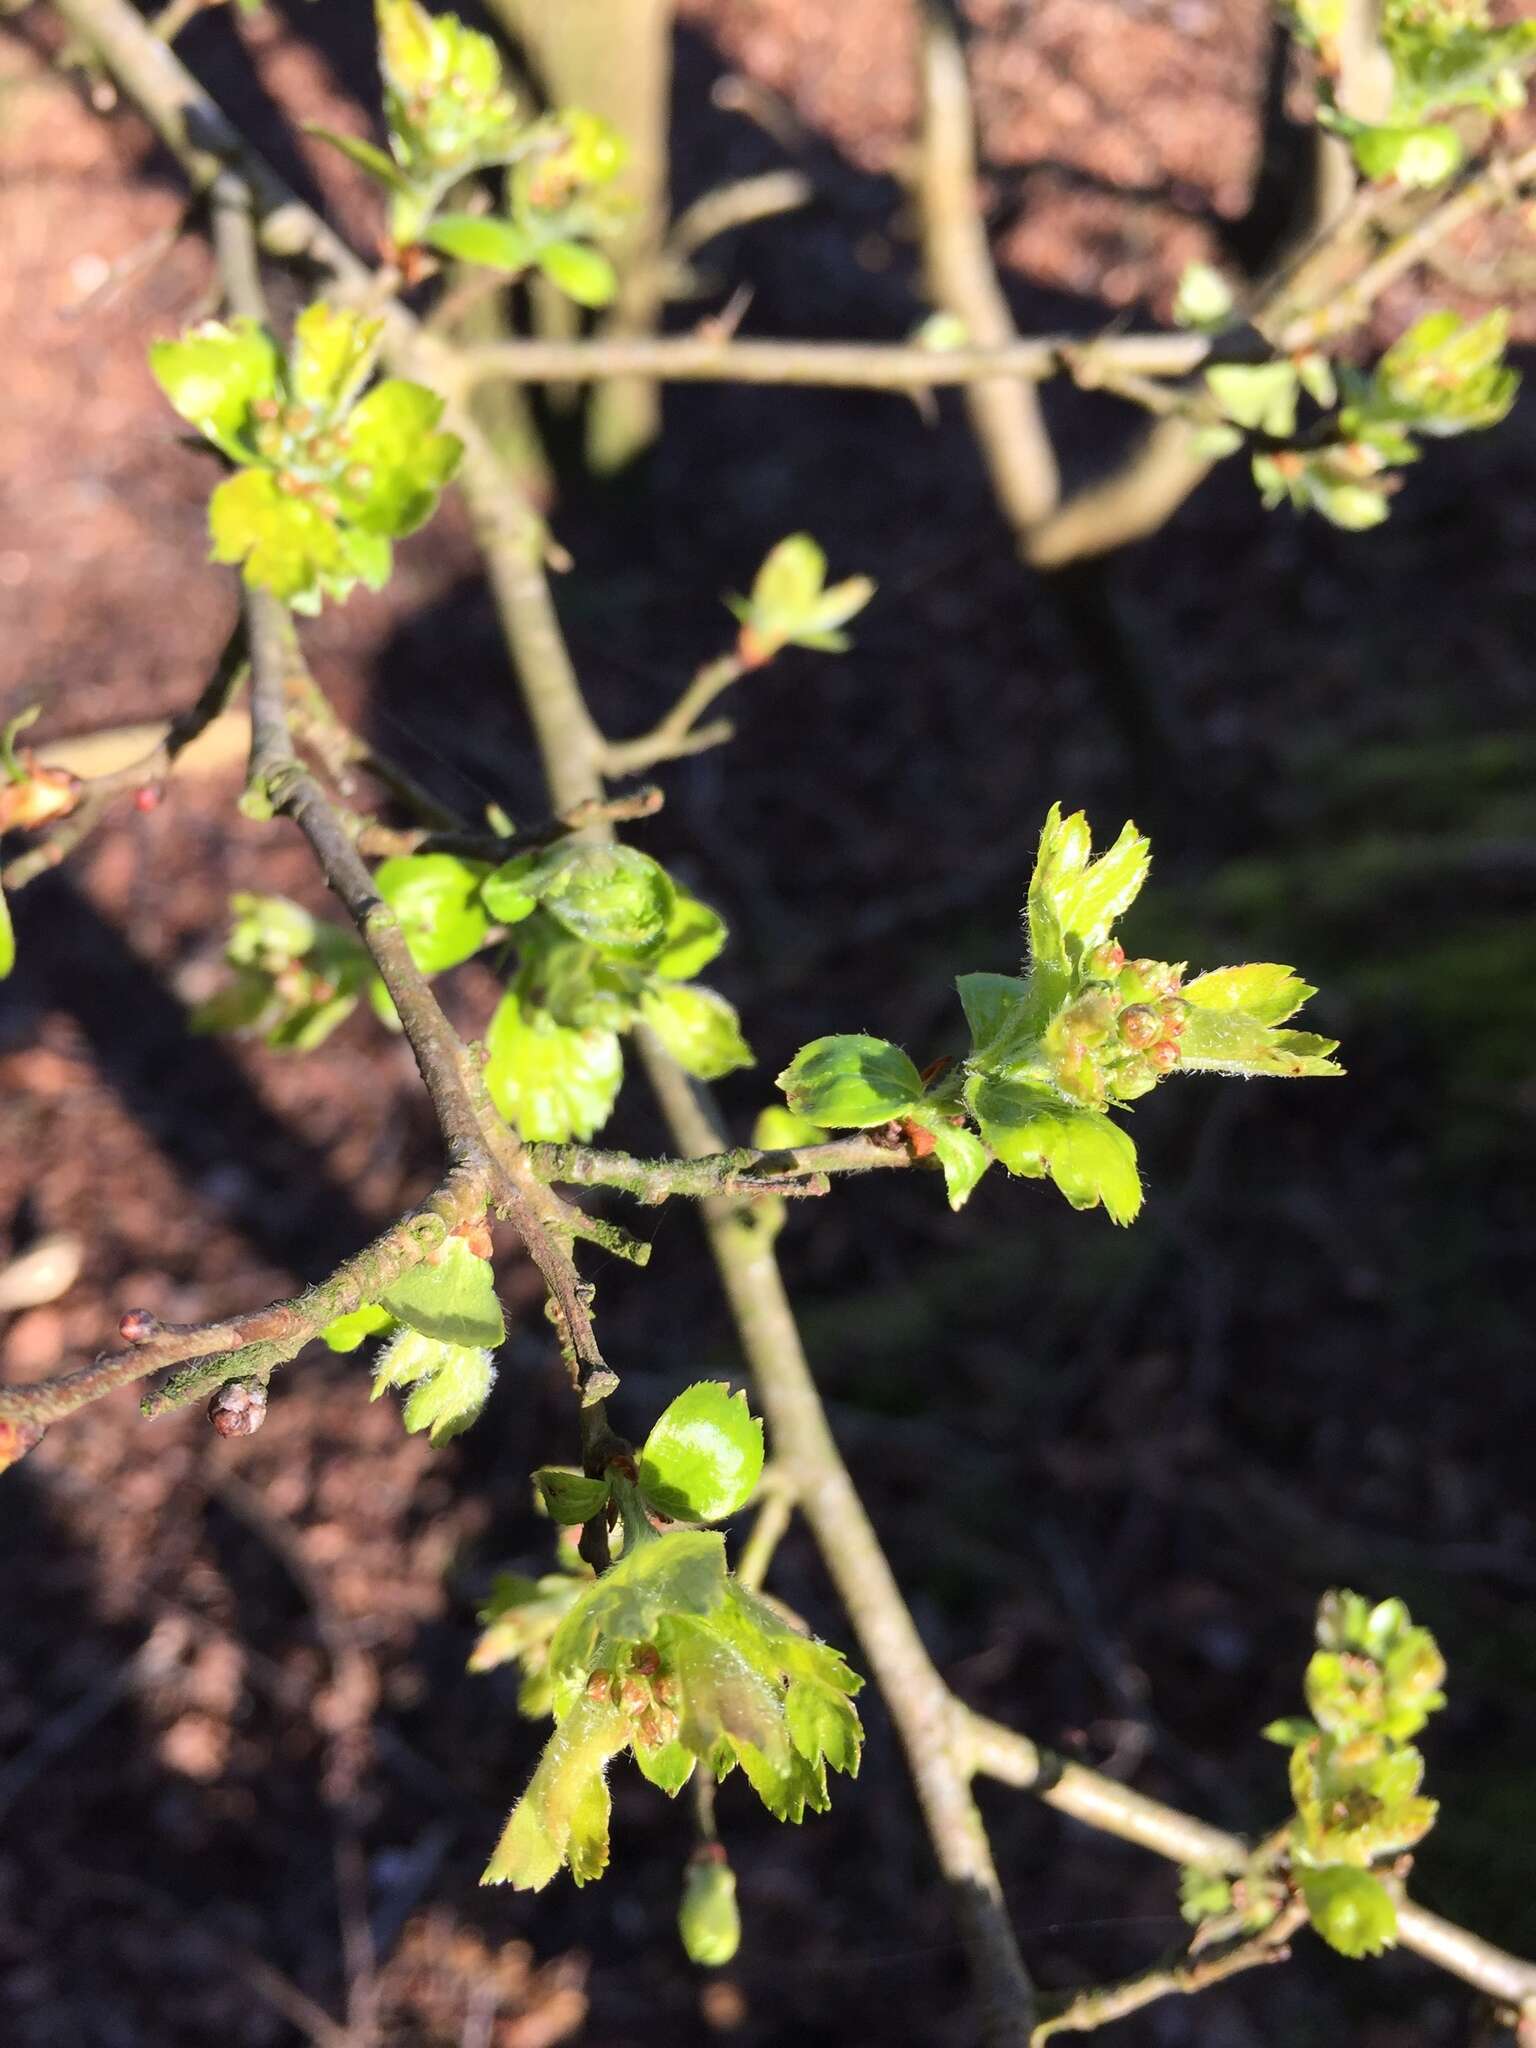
{"x": 239, "y": 1409}
{"x": 709, "y": 1919}
{"x": 1140, "y": 1026}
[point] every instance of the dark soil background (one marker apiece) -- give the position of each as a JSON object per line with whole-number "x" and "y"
{"x": 245, "y": 1783}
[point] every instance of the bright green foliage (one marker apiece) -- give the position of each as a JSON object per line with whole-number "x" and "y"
{"x": 1352, "y": 1910}
{"x": 1446, "y": 55}
{"x": 450, "y": 1295}
{"x": 550, "y": 1080}
{"x": 698, "y": 1027}
{"x": 518, "y": 1624}
{"x": 295, "y": 976}
{"x": 606, "y": 940}
{"x": 665, "y": 1654}
{"x": 324, "y": 480}
{"x": 1084, "y": 1031}
{"x": 559, "y": 200}
{"x": 450, "y": 1383}
{"x": 1444, "y": 376}
{"x": 780, "y": 1130}
{"x": 350, "y": 1331}
{"x": 1372, "y": 1683}
{"x": 436, "y": 897}
{"x": 851, "y": 1082}
{"x": 704, "y": 1455}
{"x": 708, "y": 1919}
{"x": 792, "y": 604}
{"x": 570, "y": 1497}
{"x": 7, "y": 938}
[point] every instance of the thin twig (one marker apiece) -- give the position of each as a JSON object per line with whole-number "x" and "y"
{"x": 712, "y": 358}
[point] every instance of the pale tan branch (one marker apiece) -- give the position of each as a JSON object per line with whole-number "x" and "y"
{"x": 1009, "y": 425}
{"x": 708, "y": 358}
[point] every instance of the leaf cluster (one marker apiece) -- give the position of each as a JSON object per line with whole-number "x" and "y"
{"x": 1372, "y": 1683}
{"x": 1444, "y": 376}
{"x": 1447, "y": 57}
{"x": 450, "y": 115}
{"x": 325, "y": 479}
{"x": 1083, "y": 1030}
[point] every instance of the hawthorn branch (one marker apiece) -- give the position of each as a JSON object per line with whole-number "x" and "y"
{"x": 278, "y": 1332}
{"x": 742, "y": 1172}
{"x": 1006, "y": 418}
{"x": 215, "y": 698}
{"x": 712, "y": 358}
{"x": 1184, "y": 1974}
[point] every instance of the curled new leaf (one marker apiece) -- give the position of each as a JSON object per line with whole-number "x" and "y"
{"x": 704, "y": 1455}
{"x": 709, "y": 1920}
{"x": 552, "y": 1082}
{"x": 1034, "y": 1133}
{"x": 699, "y": 1028}
{"x": 792, "y": 605}
{"x": 570, "y": 1497}
{"x": 436, "y": 897}
{"x": 611, "y": 896}
{"x": 1352, "y": 1910}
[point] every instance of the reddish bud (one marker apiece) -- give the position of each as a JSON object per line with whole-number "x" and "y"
{"x": 1140, "y": 1026}
{"x": 266, "y": 409}
{"x": 634, "y": 1696}
{"x": 477, "y": 1235}
{"x": 1174, "y": 1012}
{"x": 599, "y": 1688}
{"x": 1163, "y": 1057}
{"x": 239, "y": 1409}
{"x": 148, "y": 797}
{"x": 1106, "y": 961}
{"x": 920, "y": 1140}
{"x": 646, "y": 1660}
{"x": 137, "y": 1326}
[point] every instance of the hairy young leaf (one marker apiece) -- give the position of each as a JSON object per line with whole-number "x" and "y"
{"x": 698, "y": 1027}
{"x": 681, "y": 1573}
{"x": 959, "y": 1152}
{"x": 399, "y": 460}
{"x": 704, "y": 1455}
{"x": 694, "y": 935}
{"x": 851, "y": 1082}
{"x": 1217, "y": 1041}
{"x": 551, "y": 1082}
{"x": 334, "y": 351}
{"x": 1261, "y": 990}
{"x": 563, "y": 1816}
{"x": 450, "y": 1383}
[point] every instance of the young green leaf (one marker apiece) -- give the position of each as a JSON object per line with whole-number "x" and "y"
{"x": 450, "y": 1383}
{"x": 570, "y": 1497}
{"x": 551, "y": 1082}
{"x": 699, "y": 1028}
{"x": 476, "y": 238}
{"x": 1352, "y": 1910}
{"x": 1260, "y": 396}
{"x": 780, "y": 1130}
{"x": 1261, "y": 990}
{"x": 7, "y": 937}
{"x": 284, "y": 544}
{"x": 215, "y": 374}
{"x": 367, "y": 158}
{"x": 348, "y": 1332}
{"x": 450, "y": 1296}
{"x": 851, "y": 1082}
{"x": 1220, "y": 1041}
{"x": 611, "y": 896}
{"x": 333, "y": 354}
{"x": 583, "y": 273}
{"x": 505, "y": 894}
{"x": 436, "y": 897}
{"x": 1034, "y": 1133}
{"x": 704, "y": 1455}
{"x": 1003, "y": 1016}
{"x": 563, "y": 1816}
{"x": 959, "y": 1152}
{"x": 399, "y": 461}
{"x": 694, "y": 935}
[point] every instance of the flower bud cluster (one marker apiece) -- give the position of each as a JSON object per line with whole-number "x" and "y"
{"x": 310, "y": 457}
{"x": 644, "y": 1691}
{"x": 1119, "y": 1035}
